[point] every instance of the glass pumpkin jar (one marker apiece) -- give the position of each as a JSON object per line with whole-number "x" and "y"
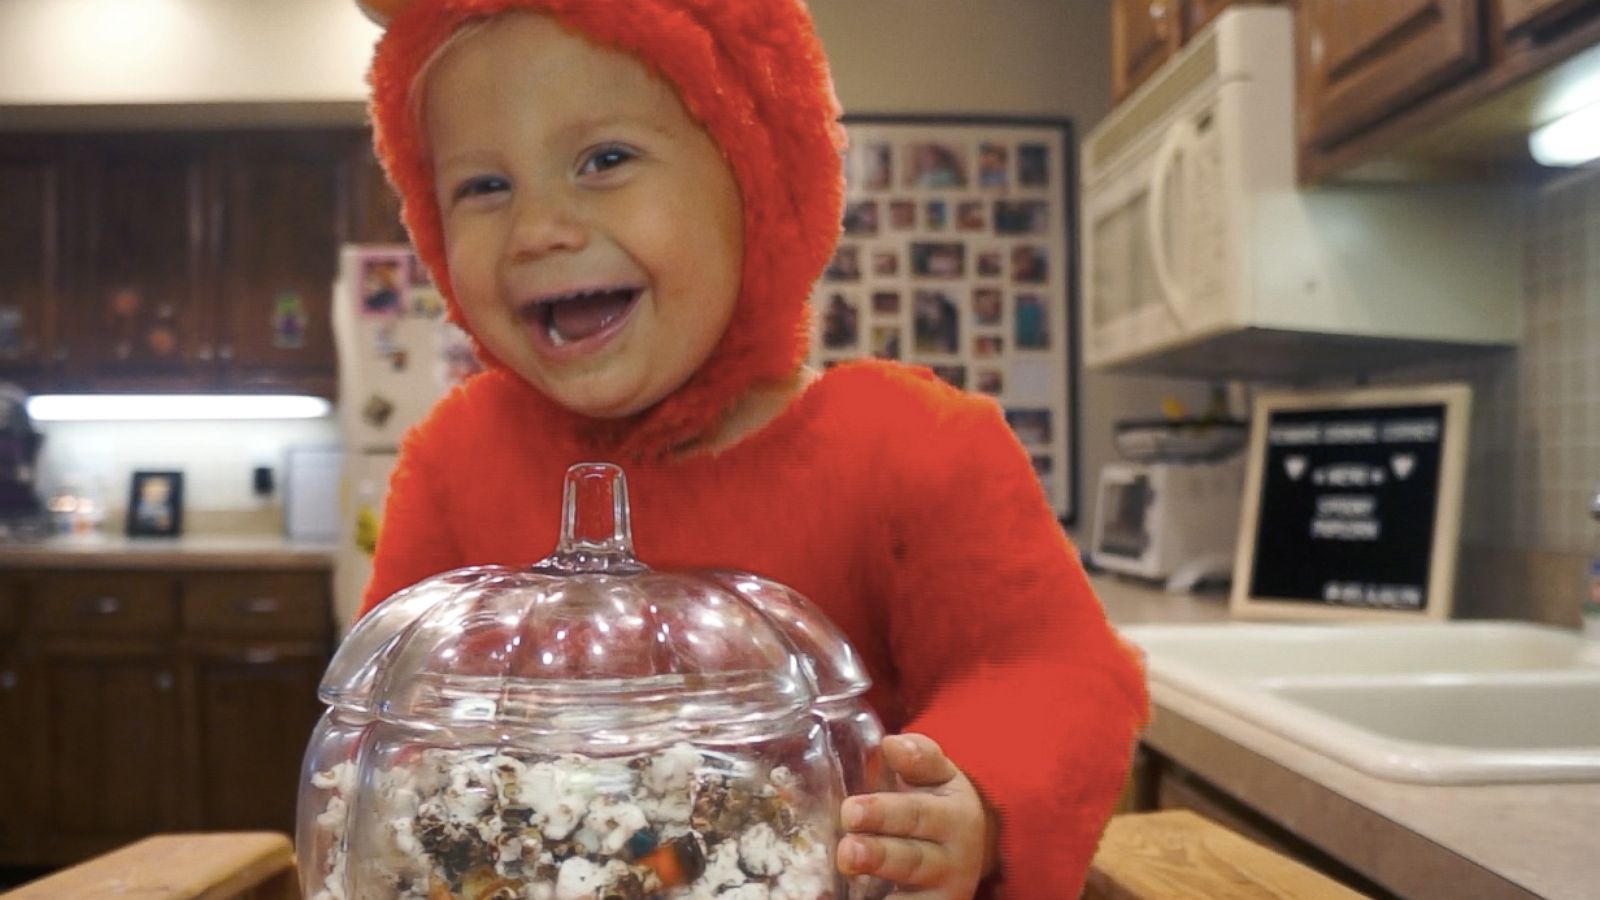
{"x": 587, "y": 728}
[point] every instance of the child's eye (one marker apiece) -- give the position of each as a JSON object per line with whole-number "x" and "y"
{"x": 478, "y": 186}
{"x": 607, "y": 157}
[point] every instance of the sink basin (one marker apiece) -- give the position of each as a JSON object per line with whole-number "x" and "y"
{"x": 1459, "y": 702}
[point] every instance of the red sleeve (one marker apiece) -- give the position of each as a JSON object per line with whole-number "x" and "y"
{"x": 413, "y": 540}
{"x": 1004, "y": 654}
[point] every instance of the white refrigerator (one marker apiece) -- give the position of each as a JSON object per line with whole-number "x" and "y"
{"x": 397, "y": 357}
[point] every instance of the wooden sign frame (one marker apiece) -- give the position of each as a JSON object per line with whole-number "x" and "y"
{"x": 1354, "y": 599}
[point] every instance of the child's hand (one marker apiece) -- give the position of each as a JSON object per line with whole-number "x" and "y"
{"x": 934, "y": 838}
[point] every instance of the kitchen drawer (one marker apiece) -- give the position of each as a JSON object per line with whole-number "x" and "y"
{"x": 257, "y": 604}
{"x": 105, "y": 604}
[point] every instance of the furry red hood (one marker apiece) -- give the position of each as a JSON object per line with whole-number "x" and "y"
{"x": 753, "y": 73}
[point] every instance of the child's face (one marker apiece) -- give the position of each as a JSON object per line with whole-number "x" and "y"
{"x": 593, "y": 230}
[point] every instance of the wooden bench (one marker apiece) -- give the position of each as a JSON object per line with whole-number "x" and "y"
{"x": 222, "y": 866}
{"x": 1178, "y": 855}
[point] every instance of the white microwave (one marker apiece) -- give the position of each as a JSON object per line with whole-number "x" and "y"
{"x": 1203, "y": 257}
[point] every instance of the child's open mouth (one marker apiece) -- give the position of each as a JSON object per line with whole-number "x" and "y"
{"x": 569, "y": 318}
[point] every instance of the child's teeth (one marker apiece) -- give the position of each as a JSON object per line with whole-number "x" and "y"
{"x": 554, "y": 334}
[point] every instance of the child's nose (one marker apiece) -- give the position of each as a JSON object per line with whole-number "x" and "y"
{"x": 546, "y": 226}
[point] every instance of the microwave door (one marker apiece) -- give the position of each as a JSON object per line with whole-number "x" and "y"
{"x": 1168, "y": 220}
{"x": 1124, "y": 533}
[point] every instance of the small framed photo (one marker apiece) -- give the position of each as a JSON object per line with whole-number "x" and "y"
{"x": 155, "y": 504}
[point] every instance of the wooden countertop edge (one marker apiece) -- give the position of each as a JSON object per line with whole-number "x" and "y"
{"x": 1389, "y": 853}
{"x": 166, "y": 555}
{"x": 176, "y": 867}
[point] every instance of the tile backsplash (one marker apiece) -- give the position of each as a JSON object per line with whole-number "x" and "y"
{"x": 1534, "y": 459}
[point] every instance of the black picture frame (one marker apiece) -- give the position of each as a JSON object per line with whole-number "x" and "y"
{"x": 155, "y": 504}
{"x": 969, "y": 224}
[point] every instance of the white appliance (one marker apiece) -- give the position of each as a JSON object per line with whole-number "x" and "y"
{"x": 1202, "y": 257}
{"x": 1169, "y": 521}
{"x": 397, "y": 357}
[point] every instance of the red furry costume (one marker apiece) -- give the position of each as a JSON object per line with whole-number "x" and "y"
{"x": 901, "y": 507}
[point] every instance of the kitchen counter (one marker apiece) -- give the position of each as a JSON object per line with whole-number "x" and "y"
{"x": 190, "y": 552}
{"x": 1421, "y": 841}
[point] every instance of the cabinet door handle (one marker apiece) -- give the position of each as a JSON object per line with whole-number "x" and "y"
{"x": 204, "y": 354}
{"x": 106, "y": 606}
{"x": 8, "y": 680}
{"x": 262, "y": 606}
{"x": 225, "y": 352}
{"x": 163, "y": 681}
{"x": 260, "y": 656}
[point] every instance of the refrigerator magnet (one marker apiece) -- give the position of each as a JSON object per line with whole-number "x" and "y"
{"x": 289, "y": 321}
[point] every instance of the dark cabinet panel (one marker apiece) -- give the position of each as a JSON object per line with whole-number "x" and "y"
{"x": 253, "y": 710}
{"x": 31, "y": 206}
{"x": 143, "y": 308}
{"x": 283, "y": 202}
{"x": 1362, "y": 62}
{"x": 106, "y": 751}
{"x": 1519, "y": 17}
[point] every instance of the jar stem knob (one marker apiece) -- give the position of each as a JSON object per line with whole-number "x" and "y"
{"x": 595, "y": 533}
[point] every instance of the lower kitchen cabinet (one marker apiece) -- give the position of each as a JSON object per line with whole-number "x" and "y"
{"x": 253, "y": 710}
{"x": 139, "y": 702}
{"x": 104, "y": 723}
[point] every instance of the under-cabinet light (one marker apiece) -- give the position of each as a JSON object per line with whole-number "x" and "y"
{"x": 1571, "y": 140}
{"x": 125, "y": 407}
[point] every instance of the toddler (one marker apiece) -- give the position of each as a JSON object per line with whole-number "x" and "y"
{"x": 626, "y": 202}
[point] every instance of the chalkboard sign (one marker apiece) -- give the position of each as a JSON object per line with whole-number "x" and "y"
{"x": 1352, "y": 504}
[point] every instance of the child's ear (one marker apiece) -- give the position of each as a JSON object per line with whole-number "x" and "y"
{"x": 381, "y": 11}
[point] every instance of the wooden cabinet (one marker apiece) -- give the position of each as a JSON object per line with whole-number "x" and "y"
{"x": 1197, "y": 14}
{"x": 193, "y": 261}
{"x": 142, "y": 308}
{"x": 1144, "y": 33}
{"x": 1362, "y": 62}
{"x": 1530, "y": 17}
{"x": 149, "y": 702}
{"x": 377, "y": 206}
{"x": 16, "y": 747}
{"x": 277, "y": 260}
{"x": 32, "y": 186}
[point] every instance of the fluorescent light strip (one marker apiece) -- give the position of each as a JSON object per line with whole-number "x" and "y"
{"x": 1571, "y": 140}
{"x": 134, "y": 407}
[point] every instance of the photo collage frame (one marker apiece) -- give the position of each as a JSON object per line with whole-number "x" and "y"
{"x": 956, "y": 255}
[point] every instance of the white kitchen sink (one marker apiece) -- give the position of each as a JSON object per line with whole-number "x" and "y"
{"x": 1460, "y": 702}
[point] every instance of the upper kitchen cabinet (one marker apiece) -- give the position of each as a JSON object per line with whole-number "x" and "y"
{"x": 141, "y": 307}
{"x": 1519, "y": 17}
{"x": 31, "y": 185}
{"x": 377, "y": 206}
{"x": 180, "y": 261}
{"x": 1361, "y": 61}
{"x": 1144, "y": 34}
{"x": 1437, "y": 90}
{"x": 283, "y": 206}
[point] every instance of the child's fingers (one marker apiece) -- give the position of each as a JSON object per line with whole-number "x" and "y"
{"x": 918, "y": 760}
{"x": 904, "y": 861}
{"x": 898, "y": 815}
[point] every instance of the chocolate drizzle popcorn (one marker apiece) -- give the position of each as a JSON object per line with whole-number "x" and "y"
{"x": 678, "y": 824}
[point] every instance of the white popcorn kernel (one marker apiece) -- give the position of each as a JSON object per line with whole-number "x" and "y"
{"x": 671, "y": 770}
{"x": 580, "y": 879}
{"x": 722, "y": 869}
{"x": 758, "y": 851}
{"x": 613, "y": 822}
{"x": 753, "y": 890}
